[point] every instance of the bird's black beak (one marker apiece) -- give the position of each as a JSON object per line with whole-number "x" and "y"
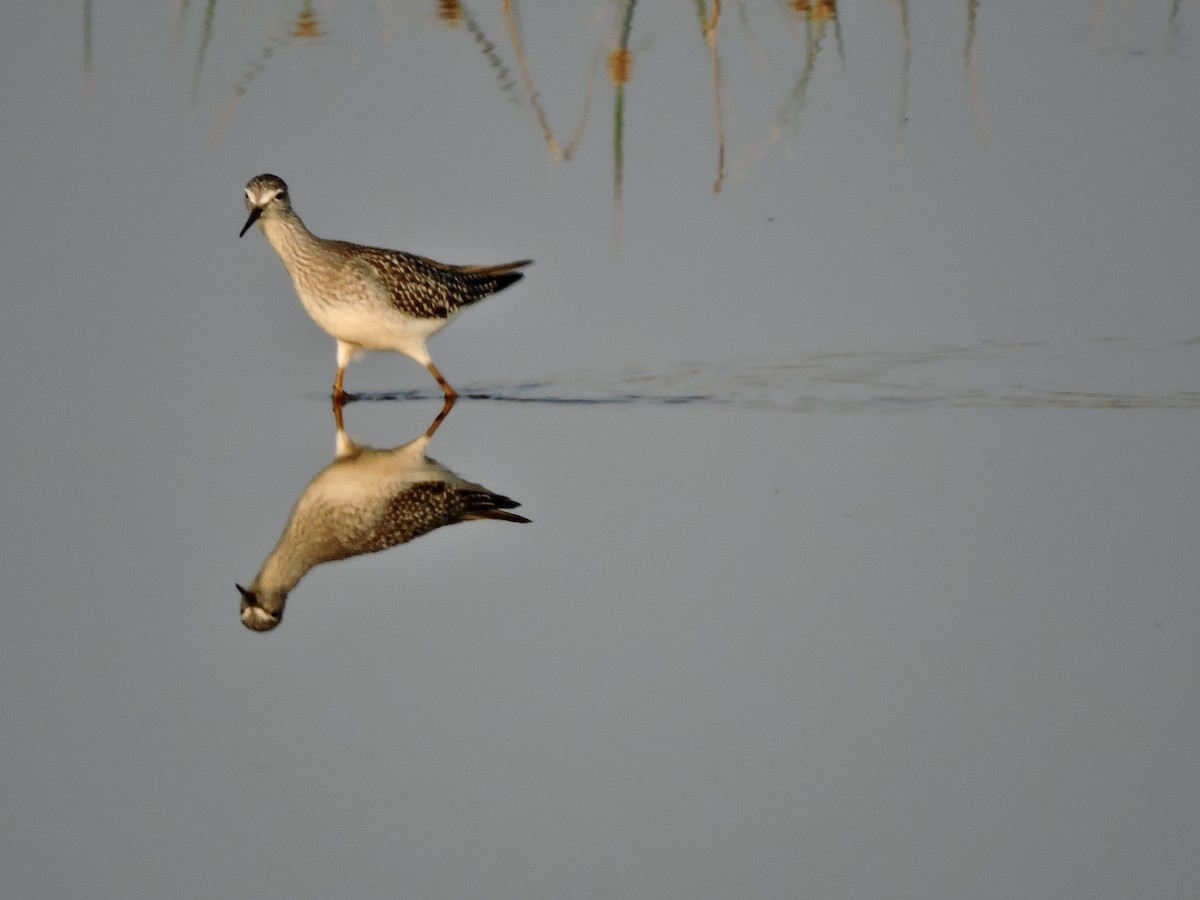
{"x": 254, "y": 214}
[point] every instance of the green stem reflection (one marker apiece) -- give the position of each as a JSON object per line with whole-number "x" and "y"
{"x": 619, "y": 98}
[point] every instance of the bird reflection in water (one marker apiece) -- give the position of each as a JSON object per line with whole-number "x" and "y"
{"x": 364, "y": 501}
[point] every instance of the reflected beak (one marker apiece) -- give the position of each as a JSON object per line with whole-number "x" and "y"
{"x": 254, "y": 214}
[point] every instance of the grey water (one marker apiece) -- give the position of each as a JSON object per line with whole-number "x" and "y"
{"x": 852, "y": 398}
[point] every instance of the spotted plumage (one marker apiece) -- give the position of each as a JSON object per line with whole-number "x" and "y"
{"x": 365, "y": 501}
{"x": 368, "y": 298}
{"x": 430, "y": 505}
{"x": 425, "y": 289}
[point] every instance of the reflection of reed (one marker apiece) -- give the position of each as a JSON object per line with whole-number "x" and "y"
{"x": 305, "y": 28}
{"x": 708, "y": 26}
{"x": 816, "y": 18}
{"x": 820, "y": 18}
{"x": 210, "y": 10}
{"x": 87, "y": 39}
{"x": 255, "y": 68}
{"x": 905, "y": 65}
{"x": 556, "y": 152}
{"x": 816, "y": 13}
{"x": 968, "y": 66}
{"x": 453, "y": 13}
{"x": 814, "y": 41}
{"x": 450, "y": 12}
{"x": 365, "y": 501}
{"x": 619, "y": 64}
{"x": 1132, "y": 28}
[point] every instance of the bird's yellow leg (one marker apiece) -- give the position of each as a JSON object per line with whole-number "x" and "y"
{"x": 338, "y": 393}
{"x": 451, "y": 394}
{"x": 446, "y": 407}
{"x": 337, "y": 413}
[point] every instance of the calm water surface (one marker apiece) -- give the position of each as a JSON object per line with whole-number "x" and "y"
{"x": 853, "y": 399}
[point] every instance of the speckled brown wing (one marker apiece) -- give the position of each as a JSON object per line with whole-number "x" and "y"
{"x": 428, "y": 505}
{"x": 426, "y": 289}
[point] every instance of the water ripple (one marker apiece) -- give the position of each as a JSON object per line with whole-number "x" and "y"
{"x": 1114, "y": 373}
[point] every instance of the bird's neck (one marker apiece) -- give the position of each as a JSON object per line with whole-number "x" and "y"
{"x": 283, "y": 569}
{"x": 294, "y": 243}
{"x": 305, "y": 542}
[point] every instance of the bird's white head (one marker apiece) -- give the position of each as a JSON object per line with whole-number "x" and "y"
{"x": 261, "y": 610}
{"x": 265, "y": 194}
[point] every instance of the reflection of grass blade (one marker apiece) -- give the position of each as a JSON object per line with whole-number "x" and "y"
{"x": 259, "y": 65}
{"x": 503, "y": 74}
{"x": 837, "y": 35}
{"x": 902, "y": 5}
{"x": 618, "y": 137}
{"x": 556, "y": 153}
{"x": 708, "y": 30}
{"x": 708, "y": 27}
{"x": 87, "y": 39}
{"x": 816, "y": 18}
{"x": 800, "y": 89}
{"x": 306, "y": 28}
{"x": 972, "y": 82}
{"x": 618, "y": 70}
{"x": 815, "y": 24}
{"x": 577, "y": 134}
{"x": 256, "y": 68}
{"x": 205, "y": 37}
{"x": 527, "y": 79}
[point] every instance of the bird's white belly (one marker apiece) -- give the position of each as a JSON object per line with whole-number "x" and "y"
{"x": 375, "y": 325}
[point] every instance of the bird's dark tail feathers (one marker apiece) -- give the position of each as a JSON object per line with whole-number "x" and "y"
{"x": 486, "y": 505}
{"x": 485, "y": 280}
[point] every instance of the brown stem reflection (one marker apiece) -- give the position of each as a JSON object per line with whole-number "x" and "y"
{"x": 454, "y": 13}
{"x": 366, "y": 500}
{"x": 709, "y": 25}
{"x": 819, "y": 20}
{"x": 968, "y": 66}
{"x": 905, "y": 66}
{"x": 306, "y": 27}
{"x": 817, "y": 16}
{"x": 556, "y": 152}
{"x": 87, "y": 40}
{"x": 620, "y": 64}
